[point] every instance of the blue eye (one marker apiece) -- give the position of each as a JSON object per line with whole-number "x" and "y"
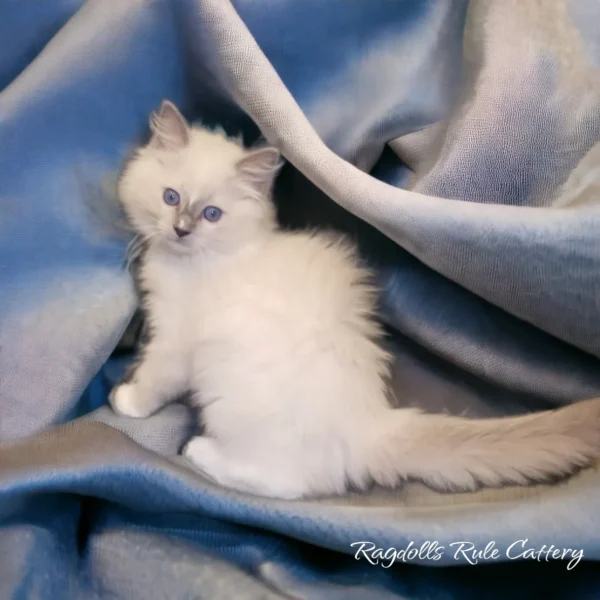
{"x": 171, "y": 197}
{"x": 212, "y": 213}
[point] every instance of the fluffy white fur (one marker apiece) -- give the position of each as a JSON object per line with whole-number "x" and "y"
{"x": 274, "y": 333}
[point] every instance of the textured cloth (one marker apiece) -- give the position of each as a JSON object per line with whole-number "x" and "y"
{"x": 438, "y": 134}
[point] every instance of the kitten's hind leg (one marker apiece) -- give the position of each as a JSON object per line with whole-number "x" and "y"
{"x": 240, "y": 474}
{"x": 157, "y": 380}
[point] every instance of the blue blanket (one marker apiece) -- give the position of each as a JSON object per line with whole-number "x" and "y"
{"x": 455, "y": 141}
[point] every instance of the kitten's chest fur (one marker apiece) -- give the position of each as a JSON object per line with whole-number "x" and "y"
{"x": 246, "y": 296}
{"x": 184, "y": 301}
{"x": 279, "y": 304}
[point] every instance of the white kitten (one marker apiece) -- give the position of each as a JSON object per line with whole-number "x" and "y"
{"x": 274, "y": 334}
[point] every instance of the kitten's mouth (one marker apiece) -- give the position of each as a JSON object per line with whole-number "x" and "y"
{"x": 180, "y": 245}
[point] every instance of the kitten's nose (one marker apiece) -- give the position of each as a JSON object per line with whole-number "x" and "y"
{"x": 181, "y": 232}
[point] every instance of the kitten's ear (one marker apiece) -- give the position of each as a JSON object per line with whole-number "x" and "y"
{"x": 170, "y": 130}
{"x": 258, "y": 168}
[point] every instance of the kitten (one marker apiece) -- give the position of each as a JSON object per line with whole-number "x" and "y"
{"x": 275, "y": 335}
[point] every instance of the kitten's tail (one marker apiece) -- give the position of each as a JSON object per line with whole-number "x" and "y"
{"x": 454, "y": 453}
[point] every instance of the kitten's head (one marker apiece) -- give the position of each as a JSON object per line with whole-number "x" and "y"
{"x": 193, "y": 190}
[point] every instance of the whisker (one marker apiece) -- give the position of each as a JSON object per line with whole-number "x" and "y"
{"x": 135, "y": 240}
{"x": 134, "y": 248}
{"x": 139, "y": 240}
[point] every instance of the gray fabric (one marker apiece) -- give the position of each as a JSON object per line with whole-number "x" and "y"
{"x": 439, "y": 135}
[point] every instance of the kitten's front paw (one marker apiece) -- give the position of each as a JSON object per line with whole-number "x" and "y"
{"x": 125, "y": 401}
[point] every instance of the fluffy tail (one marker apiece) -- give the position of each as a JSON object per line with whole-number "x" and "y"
{"x": 454, "y": 453}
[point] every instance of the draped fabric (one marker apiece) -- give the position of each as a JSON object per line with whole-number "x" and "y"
{"x": 454, "y": 141}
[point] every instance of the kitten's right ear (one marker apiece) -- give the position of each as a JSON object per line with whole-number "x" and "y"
{"x": 170, "y": 130}
{"x": 258, "y": 168}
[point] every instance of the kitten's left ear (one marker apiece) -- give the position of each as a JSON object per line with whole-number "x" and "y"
{"x": 258, "y": 168}
{"x": 170, "y": 130}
